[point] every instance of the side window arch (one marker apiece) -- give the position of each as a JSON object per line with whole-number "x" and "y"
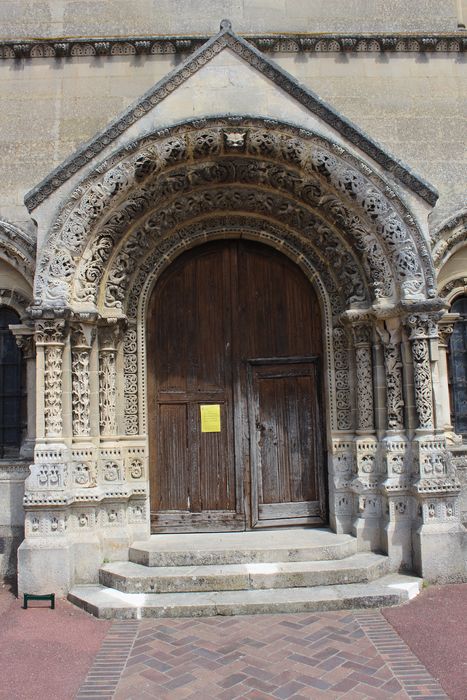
{"x": 458, "y": 367}
{"x": 12, "y": 387}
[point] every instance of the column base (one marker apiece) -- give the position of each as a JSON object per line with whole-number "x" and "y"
{"x": 440, "y": 552}
{"x": 53, "y": 557}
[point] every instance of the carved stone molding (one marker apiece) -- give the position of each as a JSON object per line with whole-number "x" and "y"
{"x": 81, "y": 393}
{"x": 306, "y": 175}
{"x": 453, "y": 288}
{"x": 24, "y": 337}
{"x": 109, "y": 335}
{"x": 50, "y": 334}
{"x": 448, "y": 238}
{"x": 130, "y": 375}
{"x": 18, "y": 249}
{"x": 362, "y": 334}
{"x": 228, "y": 39}
{"x": 67, "y": 47}
{"x": 15, "y": 299}
{"x": 390, "y": 335}
{"x": 422, "y": 328}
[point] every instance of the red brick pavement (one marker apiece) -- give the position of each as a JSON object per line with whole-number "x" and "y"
{"x": 353, "y": 655}
{"x": 45, "y": 653}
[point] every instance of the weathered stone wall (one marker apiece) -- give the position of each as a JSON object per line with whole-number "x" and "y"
{"x": 12, "y": 476}
{"x": 411, "y": 104}
{"x": 88, "y": 17}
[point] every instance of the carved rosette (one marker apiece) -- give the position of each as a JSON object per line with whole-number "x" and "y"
{"x": 50, "y": 334}
{"x": 390, "y": 336}
{"x": 422, "y": 328}
{"x": 364, "y": 369}
{"x": 108, "y": 337}
{"x": 80, "y": 351}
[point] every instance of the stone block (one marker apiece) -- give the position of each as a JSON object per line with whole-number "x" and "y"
{"x": 54, "y": 557}
{"x": 440, "y": 552}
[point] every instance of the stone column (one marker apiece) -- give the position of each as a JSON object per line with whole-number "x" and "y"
{"x": 46, "y": 545}
{"x": 436, "y": 541}
{"x": 396, "y": 482}
{"x": 108, "y": 337}
{"x": 80, "y": 351}
{"x": 50, "y": 337}
{"x": 342, "y": 457}
{"x": 365, "y": 483}
{"x": 422, "y": 328}
{"x": 24, "y": 336}
{"x": 443, "y": 402}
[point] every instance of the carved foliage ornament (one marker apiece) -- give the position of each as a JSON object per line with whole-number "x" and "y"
{"x": 80, "y": 383}
{"x": 72, "y": 231}
{"x": 51, "y": 334}
{"x": 421, "y": 328}
{"x": 390, "y": 337}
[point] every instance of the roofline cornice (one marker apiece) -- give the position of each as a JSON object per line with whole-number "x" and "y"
{"x": 394, "y": 43}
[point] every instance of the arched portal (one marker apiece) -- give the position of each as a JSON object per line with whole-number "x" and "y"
{"x": 331, "y": 222}
{"x": 234, "y": 383}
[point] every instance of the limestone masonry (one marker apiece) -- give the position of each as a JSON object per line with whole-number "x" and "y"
{"x": 132, "y": 137}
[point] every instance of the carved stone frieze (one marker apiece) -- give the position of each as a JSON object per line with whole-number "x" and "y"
{"x": 290, "y": 243}
{"x": 84, "y": 474}
{"x": 371, "y": 220}
{"x": 159, "y": 223}
{"x": 459, "y": 285}
{"x": 334, "y": 43}
{"x": 47, "y": 476}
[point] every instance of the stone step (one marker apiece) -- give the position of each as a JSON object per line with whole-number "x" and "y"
{"x": 135, "y": 578}
{"x": 266, "y": 546}
{"x": 112, "y": 604}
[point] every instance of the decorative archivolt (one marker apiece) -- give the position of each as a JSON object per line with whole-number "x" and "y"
{"x": 448, "y": 238}
{"x": 331, "y": 295}
{"x": 249, "y": 166}
{"x": 18, "y": 249}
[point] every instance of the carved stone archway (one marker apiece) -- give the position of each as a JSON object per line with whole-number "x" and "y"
{"x": 373, "y": 273}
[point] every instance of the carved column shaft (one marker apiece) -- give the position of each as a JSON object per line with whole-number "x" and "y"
{"x": 422, "y": 328}
{"x": 390, "y": 336}
{"x": 80, "y": 351}
{"x": 108, "y": 336}
{"x": 50, "y": 335}
{"x": 364, "y": 368}
{"x": 444, "y": 403}
{"x": 25, "y": 341}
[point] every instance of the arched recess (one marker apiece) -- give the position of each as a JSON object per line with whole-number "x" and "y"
{"x": 231, "y": 177}
{"x": 17, "y": 266}
{"x": 178, "y": 168}
{"x": 450, "y": 259}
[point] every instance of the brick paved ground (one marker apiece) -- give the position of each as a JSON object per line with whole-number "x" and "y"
{"x": 352, "y": 655}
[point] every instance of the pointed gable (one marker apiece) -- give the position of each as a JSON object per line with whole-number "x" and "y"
{"x": 226, "y": 76}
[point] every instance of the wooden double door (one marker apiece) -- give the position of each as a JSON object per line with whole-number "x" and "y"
{"x": 234, "y": 386}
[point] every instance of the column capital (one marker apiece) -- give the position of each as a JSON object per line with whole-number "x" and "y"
{"x": 51, "y": 331}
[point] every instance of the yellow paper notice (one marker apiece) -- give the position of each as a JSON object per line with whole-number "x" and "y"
{"x": 210, "y": 418}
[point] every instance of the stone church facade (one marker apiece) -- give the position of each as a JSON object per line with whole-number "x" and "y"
{"x": 228, "y": 146}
